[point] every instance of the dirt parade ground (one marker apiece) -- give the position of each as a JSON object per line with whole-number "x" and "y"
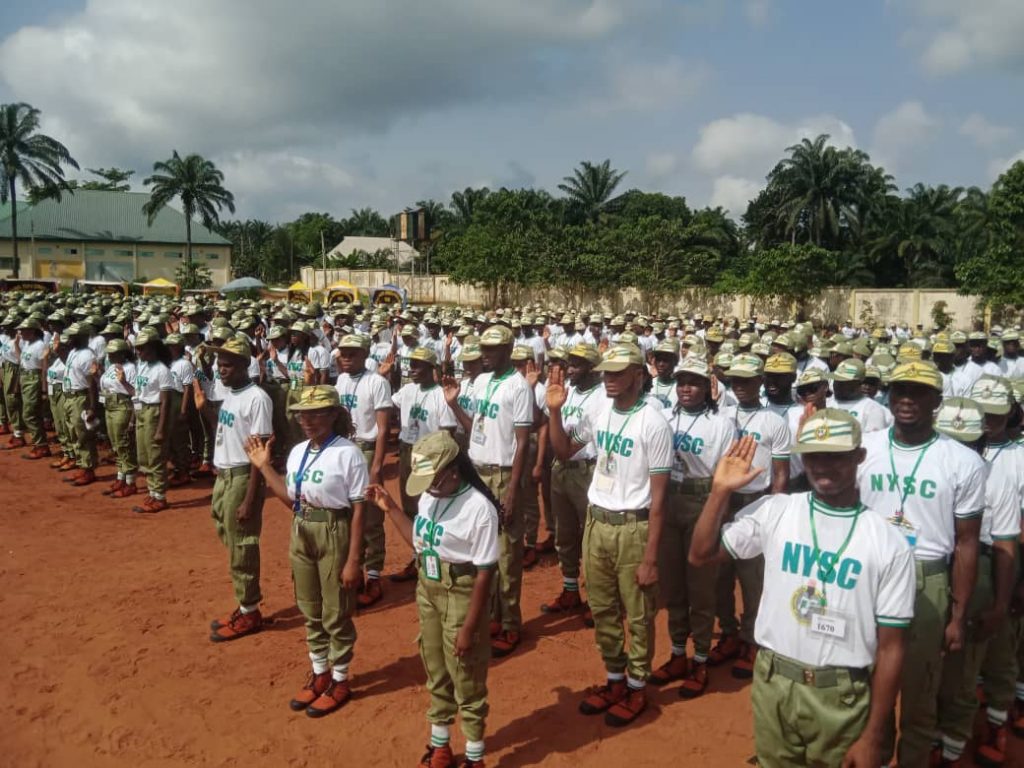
{"x": 108, "y": 663}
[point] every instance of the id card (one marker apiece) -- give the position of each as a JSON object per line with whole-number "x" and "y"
{"x": 293, "y": 384}
{"x": 412, "y": 432}
{"x": 604, "y": 476}
{"x": 431, "y": 565}
{"x": 830, "y": 625}
{"x": 136, "y": 404}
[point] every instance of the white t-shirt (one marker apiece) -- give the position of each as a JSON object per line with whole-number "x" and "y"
{"x": 630, "y": 447}
{"x": 699, "y": 441}
{"x": 461, "y": 529}
{"x": 664, "y": 394}
{"x": 576, "y": 402}
{"x": 150, "y": 380}
{"x": 1012, "y": 369}
{"x": 810, "y": 363}
{"x": 773, "y": 440}
{"x": 872, "y": 585}
{"x": 791, "y": 413}
{"x": 467, "y": 401}
{"x": 422, "y": 411}
{"x": 182, "y": 374}
{"x": 332, "y": 477}
{"x": 54, "y": 375}
{"x": 871, "y": 415}
{"x": 98, "y": 345}
{"x": 1004, "y": 492}
{"x": 245, "y": 412}
{"x": 109, "y": 385}
{"x": 32, "y": 355}
{"x": 965, "y": 376}
{"x": 7, "y": 349}
{"x": 76, "y": 369}
{"x": 364, "y": 395}
{"x": 949, "y": 483}
{"x": 502, "y": 405}
{"x": 319, "y": 358}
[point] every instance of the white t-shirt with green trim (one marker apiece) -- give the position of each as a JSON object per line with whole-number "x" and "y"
{"x": 770, "y": 431}
{"x": 1004, "y": 492}
{"x": 871, "y": 585}
{"x": 152, "y": 379}
{"x": 422, "y": 411}
{"x": 949, "y": 483}
{"x": 699, "y": 442}
{"x": 630, "y": 447}
{"x": 245, "y": 411}
{"x": 791, "y": 413}
{"x": 364, "y": 395}
{"x": 501, "y": 406}
{"x": 664, "y": 394}
{"x": 870, "y": 414}
{"x": 461, "y": 529}
{"x": 333, "y": 477}
{"x": 576, "y": 401}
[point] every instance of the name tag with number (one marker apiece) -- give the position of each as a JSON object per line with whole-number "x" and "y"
{"x": 828, "y": 625}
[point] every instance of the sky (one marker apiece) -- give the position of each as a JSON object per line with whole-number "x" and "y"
{"x": 330, "y": 105}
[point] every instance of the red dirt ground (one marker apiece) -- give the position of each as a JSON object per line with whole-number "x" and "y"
{"x": 107, "y": 661}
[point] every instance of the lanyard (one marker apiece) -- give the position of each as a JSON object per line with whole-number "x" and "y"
{"x": 417, "y": 403}
{"x": 908, "y": 481}
{"x": 993, "y": 459}
{"x": 825, "y": 575}
{"x": 687, "y": 432}
{"x": 585, "y": 397}
{"x": 657, "y": 388}
{"x": 629, "y": 415}
{"x": 736, "y": 419}
{"x": 434, "y": 517}
{"x": 492, "y": 387}
{"x": 297, "y": 504}
{"x": 358, "y": 380}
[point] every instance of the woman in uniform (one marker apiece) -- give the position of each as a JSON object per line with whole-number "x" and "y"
{"x": 152, "y": 392}
{"x": 115, "y": 385}
{"x": 324, "y": 488}
{"x": 53, "y": 369}
{"x": 182, "y": 375}
{"x": 455, "y": 537}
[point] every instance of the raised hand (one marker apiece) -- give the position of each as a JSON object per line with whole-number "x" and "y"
{"x": 258, "y": 450}
{"x": 602, "y": 345}
{"x": 532, "y": 373}
{"x": 556, "y": 394}
{"x": 308, "y": 372}
{"x": 376, "y": 494}
{"x": 715, "y": 389}
{"x": 452, "y": 390}
{"x": 119, "y": 373}
{"x": 734, "y": 470}
{"x": 389, "y": 362}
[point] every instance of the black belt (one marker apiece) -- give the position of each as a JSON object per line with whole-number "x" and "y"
{"x": 693, "y": 485}
{"x": 616, "y": 517}
{"x": 461, "y": 569}
{"x": 492, "y": 467}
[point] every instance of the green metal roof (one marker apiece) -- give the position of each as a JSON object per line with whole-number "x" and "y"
{"x": 95, "y": 215}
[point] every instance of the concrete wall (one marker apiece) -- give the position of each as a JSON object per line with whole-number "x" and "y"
{"x": 861, "y": 305}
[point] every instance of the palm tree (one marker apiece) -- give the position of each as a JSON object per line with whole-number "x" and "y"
{"x": 366, "y": 221}
{"x": 199, "y": 185}
{"x": 590, "y": 187}
{"x": 921, "y": 233}
{"x": 30, "y": 158}
{"x": 464, "y": 203}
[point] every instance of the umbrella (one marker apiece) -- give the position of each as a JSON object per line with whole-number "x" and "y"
{"x": 243, "y": 284}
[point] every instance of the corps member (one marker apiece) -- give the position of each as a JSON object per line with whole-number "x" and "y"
{"x": 81, "y": 403}
{"x": 152, "y": 392}
{"x": 238, "y": 492}
{"x": 932, "y": 490}
{"x": 455, "y": 538}
{"x": 847, "y": 381}
{"x": 116, "y": 387}
{"x": 29, "y": 346}
{"x": 837, "y": 600}
{"x": 633, "y": 444}
{"x": 324, "y": 487}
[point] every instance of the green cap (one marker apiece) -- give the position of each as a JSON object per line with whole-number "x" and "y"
{"x": 470, "y": 352}
{"x": 961, "y": 419}
{"x": 780, "y": 363}
{"x": 829, "y": 430}
{"x": 522, "y": 352}
{"x": 235, "y": 346}
{"x": 587, "y": 352}
{"x": 277, "y": 331}
{"x": 745, "y": 367}
{"x": 620, "y": 357}
{"x": 299, "y": 327}
{"x": 849, "y": 370}
{"x": 316, "y": 398}
{"x": 993, "y": 393}
{"x": 920, "y": 372}
{"x": 692, "y": 364}
{"x": 146, "y": 336}
{"x": 174, "y": 338}
{"x": 667, "y": 347}
{"x": 29, "y": 324}
{"x": 354, "y": 341}
{"x": 423, "y": 355}
{"x": 723, "y": 360}
{"x": 430, "y": 455}
{"x": 811, "y": 376}
{"x": 222, "y": 333}
{"x": 496, "y": 336}
{"x": 116, "y": 345}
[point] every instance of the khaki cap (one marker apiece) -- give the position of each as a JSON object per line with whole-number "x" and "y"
{"x": 714, "y": 334}
{"x": 496, "y": 336}
{"x": 470, "y": 352}
{"x": 522, "y": 352}
{"x": 811, "y": 376}
{"x": 423, "y": 355}
{"x": 146, "y": 336}
{"x": 693, "y": 365}
{"x": 723, "y": 359}
{"x": 620, "y": 357}
{"x": 235, "y": 346}
{"x": 116, "y": 345}
{"x": 667, "y": 347}
{"x": 354, "y": 341}
{"x": 920, "y": 372}
{"x": 958, "y": 337}
{"x": 961, "y": 419}
{"x": 587, "y": 352}
{"x": 908, "y": 353}
{"x": 780, "y": 363}
{"x": 943, "y": 347}
{"x": 829, "y": 430}
{"x": 849, "y": 370}
{"x": 430, "y": 455}
{"x": 316, "y": 398}
{"x": 993, "y": 393}
{"x": 745, "y": 367}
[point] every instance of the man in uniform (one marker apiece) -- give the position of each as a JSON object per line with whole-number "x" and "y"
{"x": 836, "y": 604}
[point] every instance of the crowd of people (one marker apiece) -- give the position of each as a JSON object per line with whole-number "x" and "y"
{"x": 860, "y": 489}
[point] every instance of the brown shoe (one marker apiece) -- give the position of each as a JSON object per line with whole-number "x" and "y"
{"x": 992, "y": 746}
{"x": 16, "y": 442}
{"x": 504, "y": 643}
{"x": 546, "y": 546}
{"x": 205, "y": 470}
{"x": 437, "y": 757}
{"x": 87, "y": 477}
{"x": 68, "y": 464}
{"x": 178, "y": 479}
{"x": 673, "y": 669}
{"x": 566, "y": 602}
{"x": 311, "y": 691}
{"x": 218, "y": 623}
{"x": 151, "y": 506}
{"x": 726, "y": 649}
{"x": 588, "y": 616}
{"x": 59, "y": 462}
{"x": 117, "y": 485}
{"x": 126, "y": 490}
{"x": 409, "y": 573}
{"x": 627, "y": 710}
{"x": 530, "y": 558}
{"x": 37, "y": 452}
{"x": 743, "y": 667}
{"x": 335, "y": 697}
{"x": 696, "y": 682}
{"x": 601, "y": 698}
{"x": 241, "y": 625}
{"x": 371, "y": 593}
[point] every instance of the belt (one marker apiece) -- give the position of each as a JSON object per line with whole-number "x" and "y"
{"x": 235, "y": 471}
{"x": 57, "y": 388}
{"x": 578, "y": 464}
{"x": 366, "y": 445}
{"x": 76, "y": 391}
{"x": 932, "y": 567}
{"x": 492, "y": 467}
{"x": 461, "y": 569}
{"x": 748, "y": 498}
{"x": 116, "y": 396}
{"x": 984, "y": 549}
{"x": 614, "y": 517}
{"x": 149, "y": 405}
{"x": 321, "y": 514}
{"x": 31, "y": 372}
{"x": 816, "y": 677}
{"x": 691, "y": 485}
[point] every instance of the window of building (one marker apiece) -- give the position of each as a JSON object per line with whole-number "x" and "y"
{"x": 94, "y": 251}
{"x": 122, "y": 252}
{"x": 109, "y": 270}
{"x": 172, "y": 254}
{"x": 44, "y": 249}
{"x": 212, "y": 256}
{"x": 145, "y": 254}
{"x": 71, "y": 251}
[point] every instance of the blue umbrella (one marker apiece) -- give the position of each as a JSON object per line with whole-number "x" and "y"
{"x": 243, "y": 284}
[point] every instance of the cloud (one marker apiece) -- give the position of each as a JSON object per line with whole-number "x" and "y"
{"x": 660, "y": 165}
{"x": 734, "y": 194}
{"x": 758, "y": 12}
{"x": 999, "y": 165}
{"x": 904, "y": 131}
{"x": 641, "y": 86}
{"x": 984, "y": 133}
{"x": 965, "y": 35}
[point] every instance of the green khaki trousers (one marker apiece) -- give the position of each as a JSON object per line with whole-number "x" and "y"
{"x": 1000, "y": 666}
{"x": 32, "y": 406}
{"x": 529, "y": 492}
{"x": 751, "y": 577}
{"x": 800, "y": 724}
{"x": 373, "y": 525}
{"x": 570, "y": 482}
{"x": 611, "y": 556}
{"x": 922, "y": 667}
{"x": 60, "y": 424}
{"x": 121, "y": 434}
{"x": 318, "y": 551}
{"x": 688, "y": 591}
{"x": 279, "y": 399}
{"x": 152, "y": 454}
{"x": 456, "y": 685}
{"x": 210, "y": 414}
{"x": 12, "y": 395}
{"x": 410, "y": 504}
{"x": 84, "y": 439}
{"x": 241, "y": 537}
{"x": 506, "y": 608}
{"x": 178, "y": 443}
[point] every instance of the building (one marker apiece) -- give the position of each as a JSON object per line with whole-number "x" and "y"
{"x": 371, "y": 245}
{"x": 96, "y": 235}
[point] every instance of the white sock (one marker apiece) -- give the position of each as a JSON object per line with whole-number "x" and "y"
{"x": 475, "y": 750}
{"x": 120, "y": 476}
{"x": 635, "y": 685}
{"x": 997, "y": 716}
{"x": 616, "y": 677}
{"x": 372, "y": 574}
{"x": 248, "y": 609}
{"x": 339, "y": 673}
{"x": 952, "y": 749}
{"x": 439, "y": 735}
{"x": 570, "y": 585}
{"x": 319, "y": 664}
{"x": 129, "y": 479}
{"x": 678, "y": 650}
{"x": 699, "y": 658}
